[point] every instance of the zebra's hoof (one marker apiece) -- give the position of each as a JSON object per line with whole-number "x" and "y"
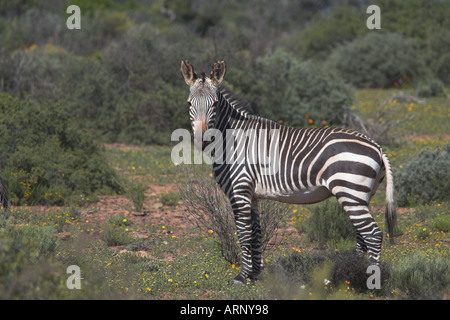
{"x": 240, "y": 279}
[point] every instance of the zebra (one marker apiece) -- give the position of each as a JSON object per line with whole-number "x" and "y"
{"x": 313, "y": 164}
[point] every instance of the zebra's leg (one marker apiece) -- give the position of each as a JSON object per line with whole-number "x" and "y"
{"x": 256, "y": 241}
{"x": 361, "y": 247}
{"x": 242, "y": 216}
{"x": 369, "y": 236}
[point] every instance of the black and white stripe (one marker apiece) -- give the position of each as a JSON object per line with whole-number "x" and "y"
{"x": 312, "y": 165}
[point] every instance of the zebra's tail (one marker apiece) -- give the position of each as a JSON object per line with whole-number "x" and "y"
{"x": 391, "y": 212}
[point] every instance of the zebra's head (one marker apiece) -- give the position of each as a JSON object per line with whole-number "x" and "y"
{"x": 203, "y": 95}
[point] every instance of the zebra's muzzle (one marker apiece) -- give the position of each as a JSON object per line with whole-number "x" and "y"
{"x": 199, "y": 127}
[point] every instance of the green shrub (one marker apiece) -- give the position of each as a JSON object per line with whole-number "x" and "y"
{"x": 344, "y": 268}
{"x": 296, "y": 268}
{"x": 28, "y": 269}
{"x": 119, "y": 220}
{"x": 421, "y": 276}
{"x": 328, "y": 224}
{"x": 137, "y": 100}
{"x": 170, "y": 198}
{"x": 123, "y": 93}
{"x": 430, "y": 87}
{"x": 34, "y": 263}
{"x": 442, "y": 223}
{"x": 134, "y": 189}
{"x": 115, "y": 235}
{"x": 425, "y": 211}
{"x": 425, "y": 178}
{"x": 328, "y": 30}
{"x": 45, "y": 158}
{"x": 377, "y": 60}
{"x": 41, "y": 239}
{"x": 128, "y": 95}
{"x": 422, "y": 234}
{"x": 351, "y": 268}
{"x": 299, "y": 93}
{"x": 443, "y": 67}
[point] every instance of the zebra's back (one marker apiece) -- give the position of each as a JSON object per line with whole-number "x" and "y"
{"x": 313, "y": 161}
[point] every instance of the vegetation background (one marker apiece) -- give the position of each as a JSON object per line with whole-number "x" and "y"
{"x": 67, "y": 97}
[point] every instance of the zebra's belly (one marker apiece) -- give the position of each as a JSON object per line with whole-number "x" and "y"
{"x": 311, "y": 195}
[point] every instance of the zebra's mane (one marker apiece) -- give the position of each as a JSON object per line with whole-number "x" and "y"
{"x": 236, "y": 101}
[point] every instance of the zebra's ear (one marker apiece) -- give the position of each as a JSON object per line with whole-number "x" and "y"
{"x": 218, "y": 72}
{"x": 187, "y": 70}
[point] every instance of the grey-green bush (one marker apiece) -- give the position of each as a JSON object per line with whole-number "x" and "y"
{"x": 46, "y": 158}
{"x": 328, "y": 224}
{"x": 442, "y": 66}
{"x": 295, "y": 269}
{"x": 420, "y": 276}
{"x": 299, "y": 92}
{"x": 425, "y": 178}
{"x": 430, "y": 87}
{"x": 376, "y": 60}
{"x": 27, "y": 255}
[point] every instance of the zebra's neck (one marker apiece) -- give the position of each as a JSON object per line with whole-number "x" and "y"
{"x": 232, "y": 110}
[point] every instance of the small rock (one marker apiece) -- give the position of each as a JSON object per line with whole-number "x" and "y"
{"x": 157, "y": 205}
{"x": 63, "y": 235}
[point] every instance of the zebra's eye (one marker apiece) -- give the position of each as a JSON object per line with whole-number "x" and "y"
{"x": 215, "y": 103}
{"x": 189, "y": 103}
